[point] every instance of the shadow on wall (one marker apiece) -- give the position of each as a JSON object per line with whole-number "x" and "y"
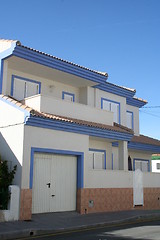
{"x": 8, "y": 155}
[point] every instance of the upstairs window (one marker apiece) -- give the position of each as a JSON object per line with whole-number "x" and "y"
{"x": 70, "y": 97}
{"x": 97, "y": 159}
{"x": 22, "y": 88}
{"x": 112, "y": 106}
{"x": 130, "y": 119}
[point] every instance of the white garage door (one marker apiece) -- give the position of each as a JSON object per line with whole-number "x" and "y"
{"x": 54, "y": 183}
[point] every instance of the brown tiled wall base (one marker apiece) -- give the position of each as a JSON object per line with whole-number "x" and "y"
{"x": 26, "y": 204}
{"x": 105, "y": 199}
{"x": 115, "y": 199}
{"x": 151, "y": 198}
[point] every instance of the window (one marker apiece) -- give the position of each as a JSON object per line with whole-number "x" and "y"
{"x": 158, "y": 166}
{"x": 141, "y": 164}
{"x": 111, "y": 106}
{"x": 130, "y": 119}
{"x": 22, "y": 87}
{"x": 70, "y": 97}
{"x": 97, "y": 159}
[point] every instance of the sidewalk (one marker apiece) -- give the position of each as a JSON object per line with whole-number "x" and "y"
{"x": 52, "y": 222}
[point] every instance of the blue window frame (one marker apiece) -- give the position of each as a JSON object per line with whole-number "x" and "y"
{"x": 112, "y": 106}
{"x": 130, "y": 120}
{"x": 23, "y": 87}
{"x": 68, "y": 96}
{"x": 96, "y": 162}
{"x": 142, "y": 164}
{"x": 80, "y": 163}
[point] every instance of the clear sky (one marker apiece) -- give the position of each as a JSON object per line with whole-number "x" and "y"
{"x": 120, "y": 37}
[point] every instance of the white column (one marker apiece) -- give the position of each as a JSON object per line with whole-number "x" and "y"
{"x": 123, "y": 156}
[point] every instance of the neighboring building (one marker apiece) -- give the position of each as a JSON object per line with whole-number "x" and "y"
{"x": 156, "y": 163}
{"x": 73, "y": 136}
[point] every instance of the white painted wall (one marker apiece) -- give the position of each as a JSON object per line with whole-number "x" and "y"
{"x": 151, "y": 180}
{"x": 50, "y": 139}
{"x": 61, "y": 107}
{"x": 109, "y": 179}
{"x": 49, "y": 87}
{"x": 11, "y": 137}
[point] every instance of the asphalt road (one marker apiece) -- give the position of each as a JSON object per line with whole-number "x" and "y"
{"x": 146, "y": 230}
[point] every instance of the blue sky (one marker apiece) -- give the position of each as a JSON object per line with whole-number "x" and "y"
{"x": 120, "y": 37}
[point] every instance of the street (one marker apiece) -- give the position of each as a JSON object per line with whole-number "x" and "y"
{"x": 146, "y": 230}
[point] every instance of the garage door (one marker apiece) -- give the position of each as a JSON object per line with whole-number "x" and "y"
{"x": 54, "y": 183}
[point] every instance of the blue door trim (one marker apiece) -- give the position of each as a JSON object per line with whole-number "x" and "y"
{"x": 80, "y": 163}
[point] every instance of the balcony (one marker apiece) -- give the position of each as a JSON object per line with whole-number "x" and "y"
{"x": 75, "y": 110}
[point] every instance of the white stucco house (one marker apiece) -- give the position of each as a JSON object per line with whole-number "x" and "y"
{"x": 156, "y": 163}
{"x": 73, "y": 135}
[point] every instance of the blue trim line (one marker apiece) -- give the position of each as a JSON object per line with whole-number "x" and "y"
{"x": 135, "y": 102}
{"x": 100, "y": 150}
{"x": 112, "y": 161}
{"x": 132, "y": 118}
{"x": 69, "y": 94}
{"x": 111, "y": 101}
{"x": 80, "y": 163}
{"x": 144, "y": 147}
{"x": 142, "y": 160}
{"x": 117, "y": 90}
{"x": 53, "y": 62}
{"x": 77, "y": 128}
{"x": 26, "y": 80}
{"x": 140, "y": 146}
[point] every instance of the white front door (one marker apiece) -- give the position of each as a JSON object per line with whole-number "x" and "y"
{"x": 54, "y": 183}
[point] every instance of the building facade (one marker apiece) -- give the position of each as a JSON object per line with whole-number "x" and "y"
{"x": 73, "y": 135}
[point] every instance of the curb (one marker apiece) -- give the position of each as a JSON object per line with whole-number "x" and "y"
{"x": 42, "y": 232}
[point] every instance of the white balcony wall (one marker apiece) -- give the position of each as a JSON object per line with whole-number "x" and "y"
{"x": 69, "y": 109}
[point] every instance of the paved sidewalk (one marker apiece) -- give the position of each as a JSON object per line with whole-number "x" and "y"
{"x": 51, "y": 222}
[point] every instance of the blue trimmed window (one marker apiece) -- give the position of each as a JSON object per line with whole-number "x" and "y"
{"x": 142, "y": 164}
{"x": 130, "y": 120}
{"x": 111, "y": 106}
{"x": 23, "y": 87}
{"x": 97, "y": 159}
{"x": 70, "y": 97}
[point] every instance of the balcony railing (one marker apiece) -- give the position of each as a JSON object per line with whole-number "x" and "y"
{"x": 75, "y": 110}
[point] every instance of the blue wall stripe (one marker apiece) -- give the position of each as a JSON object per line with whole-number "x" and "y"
{"x": 80, "y": 163}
